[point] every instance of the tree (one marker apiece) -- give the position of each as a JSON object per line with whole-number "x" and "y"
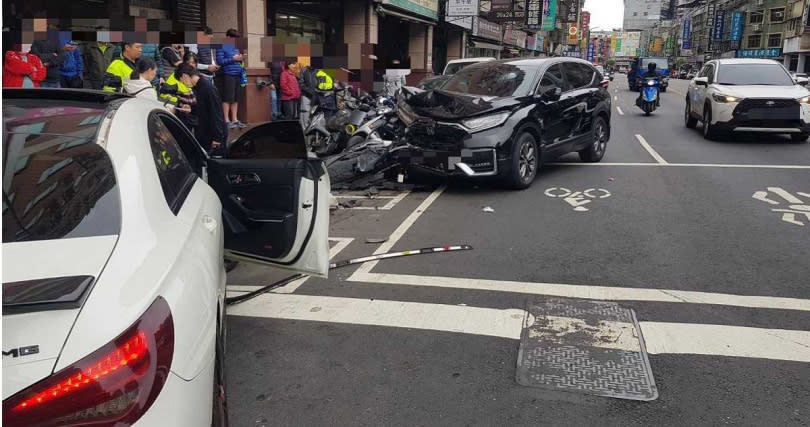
{"x": 611, "y": 62}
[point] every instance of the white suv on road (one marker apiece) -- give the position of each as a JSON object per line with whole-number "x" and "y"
{"x": 748, "y": 95}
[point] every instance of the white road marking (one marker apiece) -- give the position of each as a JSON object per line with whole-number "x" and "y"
{"x": 687, "y": 165}
{"x": 723, "y": 340}
{"x": 402, "y": 229}
{"x": 608, "y": 293}
{"x": 660, "y": 338}
{"x": 616, "y": 98}
{"x": 606, "y": 334}
{"x": 619, "y": 110}
{"x": 798, "y": 208}
{"x": 577, "y": 199}
{"x": 393, "y": 201}
{"x": 390, "y": 205}
{"x": 435, "y": 317}
{"x": 340, "y": 245}
{"x": 650, "y": 150}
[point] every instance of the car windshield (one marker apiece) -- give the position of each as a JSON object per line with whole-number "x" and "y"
{"x": 753, "y": 74}
{"x": 660, "y": 63}
{"x": 453, "y": 68}
{"x": 57, "y": 182}
{"x": 490, "y": 79}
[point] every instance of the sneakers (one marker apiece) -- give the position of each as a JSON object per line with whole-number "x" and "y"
{"x": 236, "y": 125}
{"x": 232, "y": 125}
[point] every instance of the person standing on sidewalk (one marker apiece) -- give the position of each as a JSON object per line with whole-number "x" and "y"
{"x": 229, "y": 57}
{"x": 308, "y": 84}
{"x": 51, "y": 54}
{"x": 275, "y": 88}
{"x": 212, "y": 132}
{"x": 290, "y": 92}
{"x": 97, "y": 57}
{"x": 72, "y": 67}
{"x": 171, "y": 57}
{"x": 206, "y": 56}
{"x": 22, "y": 69}
{"x": 121, "y": 68}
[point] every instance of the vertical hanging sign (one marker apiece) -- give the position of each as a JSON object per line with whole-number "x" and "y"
{"x": 534, "y": 14}
{"x": 736, "y": 26}
{"x": 719, "y": 24}
{"x": 549, "y": 15}
{"x": 687, "y": 35}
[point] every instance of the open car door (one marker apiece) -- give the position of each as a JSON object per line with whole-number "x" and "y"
{"x": 275, "y": 199}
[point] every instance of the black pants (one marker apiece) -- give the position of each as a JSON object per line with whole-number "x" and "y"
{"x": 74, "y": 82}
{"x": 289, "y": 109}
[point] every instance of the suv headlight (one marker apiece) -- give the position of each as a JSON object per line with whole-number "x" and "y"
{"x": 805, "y": 100}
{"x": 725, "y": 99}
{"x": 486, "y": 122}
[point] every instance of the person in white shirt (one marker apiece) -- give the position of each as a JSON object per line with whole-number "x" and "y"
{"x": 139, "y": 84}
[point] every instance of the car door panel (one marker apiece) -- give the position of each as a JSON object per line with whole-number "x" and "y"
{"x": 554, "y": 116}
{"x": 274, "y": 199}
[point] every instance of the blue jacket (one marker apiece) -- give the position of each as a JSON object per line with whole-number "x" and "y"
{"x": 225, "y": 60}
{"x": 73, "y": 65}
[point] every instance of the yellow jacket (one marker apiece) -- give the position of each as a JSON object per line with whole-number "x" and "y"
{"x": 184, "y": 93}
{"x": 117, "y": 74}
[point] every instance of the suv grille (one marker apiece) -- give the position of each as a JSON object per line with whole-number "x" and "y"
{"x": 750, "y": 103}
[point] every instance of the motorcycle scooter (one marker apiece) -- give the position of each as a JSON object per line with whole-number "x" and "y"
{"x": 649, "y": 99}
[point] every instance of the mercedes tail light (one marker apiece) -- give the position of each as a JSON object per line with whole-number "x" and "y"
{"x": 113, "y": 385}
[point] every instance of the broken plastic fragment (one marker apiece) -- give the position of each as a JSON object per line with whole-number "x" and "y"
{"x": 488, "y": 210}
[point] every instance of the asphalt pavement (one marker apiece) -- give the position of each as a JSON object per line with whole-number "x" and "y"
{"x": 708, "y": 242}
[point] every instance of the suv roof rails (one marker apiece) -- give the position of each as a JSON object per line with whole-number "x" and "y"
{"x": 82, "y": 95}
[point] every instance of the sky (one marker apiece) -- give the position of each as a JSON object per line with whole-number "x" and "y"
{"x": 605, "y": 14}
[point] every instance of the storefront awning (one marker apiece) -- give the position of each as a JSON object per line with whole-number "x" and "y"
{"x": 384, "y": 10}
{"x": 482, "y": 45}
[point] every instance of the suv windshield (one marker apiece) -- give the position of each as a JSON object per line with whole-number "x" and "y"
{"x": 753, "y": 74}
{"x": 492, "y": 79}
{"x": 660, "y": 63}
{"x": 453, "y": 68}
{"x": 57, "y": 183}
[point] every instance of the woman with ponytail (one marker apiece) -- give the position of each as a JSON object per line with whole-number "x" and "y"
{"x": 140, "y": 82}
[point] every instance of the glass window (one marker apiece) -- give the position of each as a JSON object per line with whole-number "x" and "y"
{"x": 775, "y": 40}
{"x": 754, "y": 41}
{"x": 578, "y": 75}
{"x": 492, "y": 79}
{"x": 754, "y": 74}
{"x": 175, "y": 173}
{"x": 551, "y": 79}
{"x": 300, "y": 26}
{"x": 660, "y": 63}
{"x": 756, "y": 17}
{"x": 41, "y": 198}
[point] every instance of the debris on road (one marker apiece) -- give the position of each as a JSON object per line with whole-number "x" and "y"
{"x": 376, "y": 240}
{"x": 611, "y": 179}
{"x": 488, "y": 210}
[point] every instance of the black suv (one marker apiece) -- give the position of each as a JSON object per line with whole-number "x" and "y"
{"x": 504, "y": 118}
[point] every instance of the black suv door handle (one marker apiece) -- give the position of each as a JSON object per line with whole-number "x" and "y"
{"x": 249, "y": 178}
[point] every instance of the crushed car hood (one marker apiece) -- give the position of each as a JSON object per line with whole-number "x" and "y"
{"x": 443, "y": 105}
{"x": 44, "y": 284}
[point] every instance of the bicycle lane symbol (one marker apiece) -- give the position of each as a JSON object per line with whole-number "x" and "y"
{"x": 578, "y": 199}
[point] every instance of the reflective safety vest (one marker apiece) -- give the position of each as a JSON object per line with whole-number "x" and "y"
{"x": 324, "y": 81}
{"x": 117, "y": 74}
{"x": 184, "y": 93}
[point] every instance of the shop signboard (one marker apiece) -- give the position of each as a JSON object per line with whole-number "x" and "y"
{"x": 507, "y": 11}
{"x": 465, "y": 22}
{"x": 617, "y": 45}
{"x": 534, "y": 14}
{"x": 687, "y": 35}
{"x": 549, "y": 15}
{"x": 539, "y": 42}
{"x": 531, "y": 42}
{"x": 759, "y": 53}
{"x": 590, "y": 52}
{"x": 572, "y": 12}
{"x": 487, "y": 30}
{"x": 586, "y": 23}
{"x": 719, "y": 24}
{"x": 462, "y": 8}
{"x": 736, "y": 26}
{"x": 573, "y": 33}
{"x": 428, "y": 8}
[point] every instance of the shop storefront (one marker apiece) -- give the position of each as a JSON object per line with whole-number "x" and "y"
{"x": 514, "y": 42}
{"x": 405, "y": 37}
{"x": 486, "y": 39}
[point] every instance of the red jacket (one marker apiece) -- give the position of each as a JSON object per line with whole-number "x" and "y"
{"x": 14, "y": 69}
{"x": 289, "y": 86}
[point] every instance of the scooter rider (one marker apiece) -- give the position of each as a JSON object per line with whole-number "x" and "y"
{"x": 651, "y": 73}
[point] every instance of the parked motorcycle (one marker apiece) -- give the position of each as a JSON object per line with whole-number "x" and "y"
{"x": 649, "y": 99}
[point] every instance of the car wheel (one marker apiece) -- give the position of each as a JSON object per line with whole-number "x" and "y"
{"x": 708, "y": 130}
{"x": 219, "y": 408}
{"x": 525, "y": 162}
{"x": 690, "y": 121}
{"x": 799, "y": 137}
{"x": 596, "y": 150}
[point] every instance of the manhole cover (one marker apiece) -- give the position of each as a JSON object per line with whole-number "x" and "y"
{"x": 585, "y": 346}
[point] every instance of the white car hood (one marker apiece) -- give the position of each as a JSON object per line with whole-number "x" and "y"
{"x": 760, "y": 91}
{"x": 48, "y": 330}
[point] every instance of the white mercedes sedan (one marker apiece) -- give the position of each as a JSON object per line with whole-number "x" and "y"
{"x": 115, "y": 227}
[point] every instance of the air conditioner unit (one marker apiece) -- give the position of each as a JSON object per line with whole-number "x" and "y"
{"x": 757, "y": 28}
{"x": 779, "y": 15}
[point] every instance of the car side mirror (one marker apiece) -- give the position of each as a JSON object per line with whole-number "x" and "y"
{"x": 551, "y": 95}
{"x": 802, "y": 81}
{"x": 702, "y": 81}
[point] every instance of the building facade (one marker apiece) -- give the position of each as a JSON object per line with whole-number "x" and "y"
{"x": 642, "y": 14}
